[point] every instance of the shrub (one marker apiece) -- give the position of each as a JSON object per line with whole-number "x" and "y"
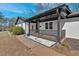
{"x": 65, "y": 45}
{"x": 18, "y": 30}
{"x": 11, "y": 29}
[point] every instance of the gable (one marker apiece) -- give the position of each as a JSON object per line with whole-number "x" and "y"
{"x": 20, "y": 20}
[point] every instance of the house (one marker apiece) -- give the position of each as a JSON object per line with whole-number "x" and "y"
{"x": 54, "y": 25}
{"x": 22, "y": 22}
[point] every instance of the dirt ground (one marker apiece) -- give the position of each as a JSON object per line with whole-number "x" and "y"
{"x": 12, "y": 46}
{"x": 70, "y": 47}
{"x": 36, "y": 48}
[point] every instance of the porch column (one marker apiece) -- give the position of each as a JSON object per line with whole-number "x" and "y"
{"x": 25, "y": 28}
{"x": 37, "y": 25}
{"x": 58, "y": 28}
{"x": 37, "y": 29}
{"x": 28, "y": 29}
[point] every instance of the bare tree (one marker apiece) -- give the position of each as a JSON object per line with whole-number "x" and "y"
{"x": 11, "y": 22}
{"x": 2, "y": 18}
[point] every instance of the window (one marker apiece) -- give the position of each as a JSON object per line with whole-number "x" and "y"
{"x": 32, "y": 27}
{"x": 46, "y": 25}
{"x": 50, "y": 25}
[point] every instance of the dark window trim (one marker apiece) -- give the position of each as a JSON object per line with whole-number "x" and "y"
{"x": 46, "y": 25}
{"x": 32, "y": 27}
{"x": 50, "y": 25}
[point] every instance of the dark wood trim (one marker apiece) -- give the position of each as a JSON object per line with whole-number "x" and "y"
{"x": 29, "y": 29}
{"x": 59, "y": 30}
{"x": 37, "y": 25}
{"x": 58, "y": 27}
{"x": 48, "y": 12}
{"x": 22, "y": 19}
{"x": 25, "y": 27}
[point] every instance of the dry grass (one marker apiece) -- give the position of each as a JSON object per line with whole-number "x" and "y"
{"x": 65, "y": 49}
{"x": 62, "y": 47}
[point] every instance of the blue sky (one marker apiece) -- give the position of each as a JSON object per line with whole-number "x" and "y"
{"x": 16, "y": 9}
{"x": 20, "y": 9}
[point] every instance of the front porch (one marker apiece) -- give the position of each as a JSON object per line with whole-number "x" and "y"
{"x": 46, "y": 38}
{"x": 50, "y": 35}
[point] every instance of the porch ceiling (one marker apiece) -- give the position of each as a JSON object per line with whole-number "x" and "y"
{"x": 48, "y": 18}
{"x": 47, "y": 13}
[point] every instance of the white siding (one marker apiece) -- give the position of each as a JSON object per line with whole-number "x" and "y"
{"x": 27, "y": 29}
{"x": 42, "y": 24}
{"x": 72, "y": 27}
{"x": 23, "y": 26}
{"x": 34, "y": 26}
{"x": 18, "y": 25}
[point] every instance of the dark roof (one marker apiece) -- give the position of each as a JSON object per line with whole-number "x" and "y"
{"x": 48, "y": 12}
{"x": 22, "y": 19}
{"x": 74, "y": 14}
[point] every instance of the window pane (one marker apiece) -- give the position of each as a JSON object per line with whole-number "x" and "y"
{"x": 46, "y": 25}
{"x": 50, "y": 25}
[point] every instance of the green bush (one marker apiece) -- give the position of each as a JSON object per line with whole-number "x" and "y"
{"x": 18, "y": 30}
{"x": 11, "y": 29}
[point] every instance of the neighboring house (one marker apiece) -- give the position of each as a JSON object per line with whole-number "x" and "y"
{"x": 22, "y": 22}
{"x": 58, "y": 22}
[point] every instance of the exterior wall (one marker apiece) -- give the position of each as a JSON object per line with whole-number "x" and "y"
{"x": 18, "y": 25}
{"x": 48, "y": 31}
{"x": 72, "y": 27}
{"x": 69, "y": 27}
{"x": 42, "y": 24}
{"x": 24, "y": 26}
{"x": 44, "y": 31}
{"x": 51, "y": 31}
{"x": 33, "y": 26}
{"x": 21, "y": 25}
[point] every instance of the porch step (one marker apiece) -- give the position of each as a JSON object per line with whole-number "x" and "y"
{"x": 42, "y": 41}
